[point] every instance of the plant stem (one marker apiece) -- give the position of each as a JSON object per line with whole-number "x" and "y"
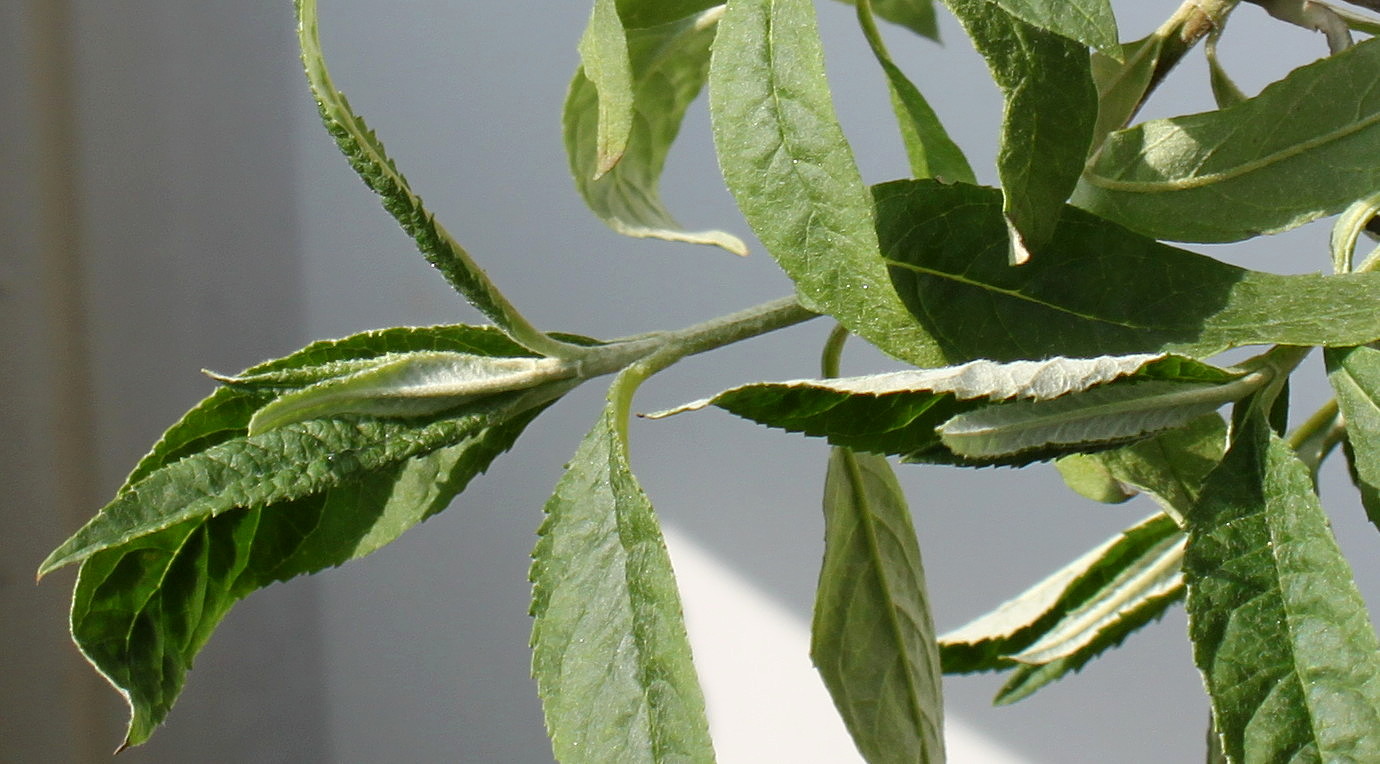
{"x": 1193, "y": 20}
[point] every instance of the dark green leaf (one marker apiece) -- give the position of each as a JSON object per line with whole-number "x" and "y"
{"x": 1050, "y": 113}
{"x": 1355, "y": 376}
{"x": 787, "y": 162}
{"x": 640, "y": 14}
{"x": 931, "y": 151}
{"x": 1078, "y": 611}
{"x": 873, "y": 637}
{"x": 1244, "y": 171}
{"x": 906, "y": 413}
{"x": 1087, "y": 21}
{"x": 668, "y": 67}
{"x": 1279, "y": 631}
{"x": 1099, "y": 290}
{"x": 610, "y": 654}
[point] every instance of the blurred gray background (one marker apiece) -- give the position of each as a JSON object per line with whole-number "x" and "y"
{"x": 171, "y": 203}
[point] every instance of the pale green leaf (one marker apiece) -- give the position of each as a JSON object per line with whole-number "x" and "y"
{"x": 1348, "y": 229}
{"x": 669, "y": 64}
{"x": 787, "y": 162}
{"x": 1355, "y": 377}
{"x": 413, "y": 384}
{"x": 604, "y": 62}
{"x": 1243, "y": 171}
{"x": 1048, "y": 119}
{"x": 873, "y": 638}
{"x": 931, "y": 151}
{"x": 1282, "y": 637}
{"x": 367, "y": 156}
{"x": 1100, "y": 290}
{"x": 1224, "y": 90}
{"x": 610, "y": 655}
{"x": 1109, "y": 414}
{"x": 1093, "y": 602}
{"x": 915, "y": 15}
{"x": 1122, "y": 84}
{"x": 1091, "y": 479}
{"x": 1170, "y": 467}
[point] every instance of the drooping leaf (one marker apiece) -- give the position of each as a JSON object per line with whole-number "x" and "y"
{"x": 1122, "y": 84}
{"x": 915, "y": 15}
{"x": 1224, "y": 90}
{"x": 873, "y": 638}
{"x": 1049, "y": 116}
{"x": 668, "y": 65}
{"x": 1283, "y": 640}
{"x": 605, "y": 66}
{"x": 1355, "y": 377}
{"x": 413, "y": 384}
{"x": 1099, "y": 290}
{"x": 143, "y": 609}
{"x": 1088, "y": 605}
{"x": 1109, "y": 414}
{"x": 367, "y": 156}
{"x": 610, "y": 655}
{"x": 1170, "y": 467}
{"x": 1244, "y": 171}
{"x": 786, "y": 160}
{"x": 931, "y": 151}
{"x": 898, "y": 413}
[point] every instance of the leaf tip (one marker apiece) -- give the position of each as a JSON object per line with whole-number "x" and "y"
{"x": 1018, "y": 252}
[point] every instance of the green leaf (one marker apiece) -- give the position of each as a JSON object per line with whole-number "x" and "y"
{"x": 1099, "y": 289}
{"x": 898, "y": 412}
{"x": 1355, "y": 377}
{"x": 605, "y": 63}
{"x": 915, "y": 15}
{"x": 669, "y": 64}
{"x": 1224, "y": 90}
{"x": 418, "y": 383}
{"x": 787, "y": 162}
{"x": 1348, "y": 228}
{"x": 1090, "y": 22}
{"x": 142, "y": 610}
{"x": 873, "y": 638}
{"x": 1280, "y": 633}
{"x": 1091, "y": 479}
{"x": 1048, "y": 120}
{"x": 640, "y": 14}
{"x": 1242, "y": 171}
{"x": 367, "y": 156}
{"x": 610, "y": 655}
{"x": 931, "y": 151}
{"x": 1122, "y": 85}
{"x": 1110, "y": 414}
{"x": 1079, "y": 610}
{"x": 1170, "y": 467}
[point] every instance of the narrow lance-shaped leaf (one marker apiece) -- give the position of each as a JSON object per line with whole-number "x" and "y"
{"x": 367, "y": 156}
{"x": 898, "y": 413}
{"x": 1099, "y": 289}
{"x": 1075, "y": 613}
{"x": 1244, "y": 171}
{"x": 931, "y": 151}
{"x": 1346, "y": 232}
{"x": 1355, "y": 377}
{"x": 610, "y": 655}
{"x": 604, "y": 62}
{"x": 1048, "y": 120}
{"x": 1282, "y": 637}
{"x": 873, "y": 638}
{"x": 154, "y": 600}
{"x": 788, "y": 164}
{"x": 669, "y": 63}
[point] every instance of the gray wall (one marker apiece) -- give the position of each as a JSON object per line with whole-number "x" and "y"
{"x": 215, "y": 225}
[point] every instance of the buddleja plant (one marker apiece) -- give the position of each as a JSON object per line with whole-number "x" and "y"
{"x": 1039, "y": 330}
